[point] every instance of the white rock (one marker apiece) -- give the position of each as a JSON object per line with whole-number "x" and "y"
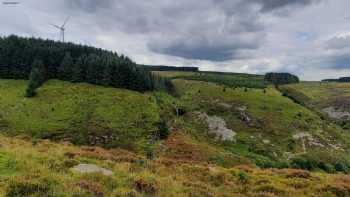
{"x": 90, "y": 168}
{"x": 266, "y": 141}
{"x": 218, "y": 127}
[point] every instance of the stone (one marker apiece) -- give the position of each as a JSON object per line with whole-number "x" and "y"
{"x": 91, "y": 168}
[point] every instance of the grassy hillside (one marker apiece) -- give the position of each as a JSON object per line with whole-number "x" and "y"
{"x": 219, "y": 137}
{"x": 44, "y": 169}
{"x": 320, "y": 93}
{"x": 267, "y": 129}
{"x": 332, "y": 99}
{"x": 271, "y": 130}
{"x": 83, "y": 113}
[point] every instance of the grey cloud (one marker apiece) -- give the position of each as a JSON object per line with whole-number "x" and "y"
{"x": 216, "y": 30}
{"x": 88, "y": 5}
{"x": 339, "y": 60}
{"x": 271, "y": 5}
{"x": 338, "y": 42}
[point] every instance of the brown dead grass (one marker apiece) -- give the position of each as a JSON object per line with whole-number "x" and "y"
{"x": 293, "y": 173}
{"x": 118, "y": 155}
{"x": 91, "y": 187}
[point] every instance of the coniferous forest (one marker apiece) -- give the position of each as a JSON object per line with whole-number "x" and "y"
{"x": 39, "y": 60}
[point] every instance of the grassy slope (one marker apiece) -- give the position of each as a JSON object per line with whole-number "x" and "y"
{"x": 319, "y": 96}
{"x": 274, "y": 117}
{"x": 44, "y": 168}
{"x": 187, "y": 163}
{"x": 82, "y": 112}
{"x": 320, "y": 93}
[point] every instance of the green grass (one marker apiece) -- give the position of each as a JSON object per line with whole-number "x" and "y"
{"x": 64, "y": 110}
{"x": 7, "y": 164}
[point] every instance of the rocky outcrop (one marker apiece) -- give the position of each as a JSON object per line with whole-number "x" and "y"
{"x": 218, "y": 127}
{"x": 335, "y": 113}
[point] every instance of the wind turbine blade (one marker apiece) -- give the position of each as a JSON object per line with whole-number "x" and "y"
{"x": 65, "y": 22}
{"x": 58, "y": 27}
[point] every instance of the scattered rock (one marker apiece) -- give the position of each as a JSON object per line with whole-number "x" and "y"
{"x": 241, "y": 108}
{"x": 90, "y": 168}
{"x": 307, "y": 139}
{"x": 335, "y": 113}
{"x": 243, "y": 115}
{"x": 302, "y": 135}
{"x": 218, "y": 127}
{"x": 225, "y": 105}
{"x": 266, "y": 141}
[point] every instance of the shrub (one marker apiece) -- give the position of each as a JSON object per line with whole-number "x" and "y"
{"x": 341, "y": 167}
{"x": 146, "y": 184}
{"x": 21, "y": 187}
{"x": 303, "y": 163}
{"x": 243, "y": 177}
{"x": 149, "y": 151}
{"x": 164, "y": 131}
{"x": 329, "y": 168}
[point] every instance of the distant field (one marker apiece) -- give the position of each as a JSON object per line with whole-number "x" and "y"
{"x": 81, "y": 112}
{"x": 172, "y": 74}
{"x": 320, "y": 92}
{"x": 227, "y": 79}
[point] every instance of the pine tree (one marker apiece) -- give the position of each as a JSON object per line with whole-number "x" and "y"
{"x": 65, "y": 69}
{"x": 77, "y": 74}
{"x": 107, "y": 75}
{"x": 36, "y": 78}
{"x": 91, "y": 71}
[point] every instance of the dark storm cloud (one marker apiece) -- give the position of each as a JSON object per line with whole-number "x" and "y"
{"x": 338, "y": 61}
{"x": 216, "y": 30}
{"x": 338, "y": 52}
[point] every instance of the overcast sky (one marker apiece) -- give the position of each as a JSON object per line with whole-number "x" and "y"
{"x": 310, "y": 38}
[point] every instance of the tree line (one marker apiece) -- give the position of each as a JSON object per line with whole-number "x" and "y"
{"x": 281, "y": 78}
{"x": 170, "y": 68}
{"x": 340, "y": 80}
{"x": 39, "y": 60}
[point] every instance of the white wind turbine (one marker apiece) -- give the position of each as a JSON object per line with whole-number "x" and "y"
{"x": 62, "y": 29}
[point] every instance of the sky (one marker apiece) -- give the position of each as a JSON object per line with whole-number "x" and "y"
{"x": 309, "y": 38}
